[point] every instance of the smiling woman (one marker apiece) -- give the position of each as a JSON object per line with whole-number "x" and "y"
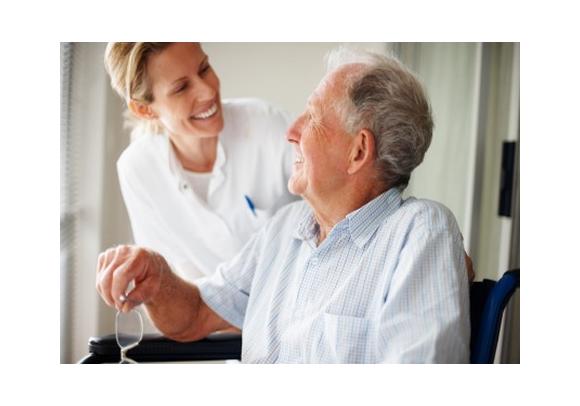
{"x": 186, "y": 179}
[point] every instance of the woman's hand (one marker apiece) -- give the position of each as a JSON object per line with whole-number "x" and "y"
{"x": 117, "y": 267}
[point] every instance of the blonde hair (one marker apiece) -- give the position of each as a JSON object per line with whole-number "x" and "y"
{"x": 126, "y": 64}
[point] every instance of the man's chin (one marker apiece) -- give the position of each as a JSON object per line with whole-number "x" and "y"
{"x": 294, "y": 188}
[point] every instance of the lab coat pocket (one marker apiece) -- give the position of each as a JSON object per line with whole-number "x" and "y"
{"x": 348, "y": 339}
{"x": 259, "y": 216}
{"x": 252, "y": 218}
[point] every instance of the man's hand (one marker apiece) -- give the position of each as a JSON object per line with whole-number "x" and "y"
{"x": 117, "y": 267}
{"x": 173, "y": 304}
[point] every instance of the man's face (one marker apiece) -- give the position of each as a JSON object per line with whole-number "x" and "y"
{"x": 321, "y": 144}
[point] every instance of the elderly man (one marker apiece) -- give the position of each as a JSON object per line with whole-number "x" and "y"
{"x": 354, "y": 273}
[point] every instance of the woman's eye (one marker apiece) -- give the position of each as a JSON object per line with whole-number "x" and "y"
{"x": 181, "y": 88}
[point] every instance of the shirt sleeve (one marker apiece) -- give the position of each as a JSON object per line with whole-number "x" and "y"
{"x": 227, "y": 291}
{"x": 425, "y": 317}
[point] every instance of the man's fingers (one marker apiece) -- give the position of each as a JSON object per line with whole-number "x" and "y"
{"x": 114, "y": 258}
{"x": 118, "y": 267}
{"x": 134, "y": 268}
{"x": 145, "y": 290}
{"x": 103, "y": 279}
{"x": 147, "y": 271}
{"x": 119, "y": 284}
{"x": 100, "y": 261}
{"x": 129, "y": 303}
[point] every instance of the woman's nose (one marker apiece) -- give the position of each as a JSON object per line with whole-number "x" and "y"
{"x": 204, "y": 89}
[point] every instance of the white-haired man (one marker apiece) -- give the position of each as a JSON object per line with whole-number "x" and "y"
{"x": 354, "y": 273}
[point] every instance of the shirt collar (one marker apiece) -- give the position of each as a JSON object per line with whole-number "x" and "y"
{"x": 178, "y": 171}
{"x": 361, "y": 223}
{"x": 307, "y": 228}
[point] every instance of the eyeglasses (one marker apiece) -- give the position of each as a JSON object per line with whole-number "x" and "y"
{"x": 129, "y": 332}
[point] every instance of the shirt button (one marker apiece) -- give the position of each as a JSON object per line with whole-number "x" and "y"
{"x": 184, "y": 186}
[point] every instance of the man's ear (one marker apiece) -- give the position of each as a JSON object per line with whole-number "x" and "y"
{"x": 141, "y": 110}
{"x": 362, "y": 151}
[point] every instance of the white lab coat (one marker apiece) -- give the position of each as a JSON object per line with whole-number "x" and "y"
{"x": 253, "y": 159}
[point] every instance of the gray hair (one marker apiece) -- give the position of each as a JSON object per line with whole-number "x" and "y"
{"x": 387, "y": 99}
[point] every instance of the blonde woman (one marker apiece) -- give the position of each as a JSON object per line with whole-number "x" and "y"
{"x": 206, "y": 173}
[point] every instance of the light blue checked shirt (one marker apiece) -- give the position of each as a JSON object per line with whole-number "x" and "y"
{"x": 388, "y": 284}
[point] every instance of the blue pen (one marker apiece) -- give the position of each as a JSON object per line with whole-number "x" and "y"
{"x": 250, "y": 204}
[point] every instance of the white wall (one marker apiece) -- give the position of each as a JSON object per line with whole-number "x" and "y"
{"x": 283, "y": 73}
{"x": 450, "y": 73}
{"x": 474, "y": 92}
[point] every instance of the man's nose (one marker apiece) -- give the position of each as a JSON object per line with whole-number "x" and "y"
{"x": 295, "y": 131}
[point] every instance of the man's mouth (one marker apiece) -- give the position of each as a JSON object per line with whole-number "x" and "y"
{"x": 206, "y": 114}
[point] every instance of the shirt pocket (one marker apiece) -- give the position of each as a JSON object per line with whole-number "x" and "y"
{"x": 347, "y": 339}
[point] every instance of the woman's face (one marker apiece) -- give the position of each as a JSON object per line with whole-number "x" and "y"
{"x": 185, "y": 88}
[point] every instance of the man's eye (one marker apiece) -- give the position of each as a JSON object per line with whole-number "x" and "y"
{"x": 205, "y": 69}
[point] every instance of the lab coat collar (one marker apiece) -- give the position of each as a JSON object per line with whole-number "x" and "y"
{"x": 177, "y": 170}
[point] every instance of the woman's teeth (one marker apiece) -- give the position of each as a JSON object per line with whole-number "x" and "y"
{"x": 206, "y": 114}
